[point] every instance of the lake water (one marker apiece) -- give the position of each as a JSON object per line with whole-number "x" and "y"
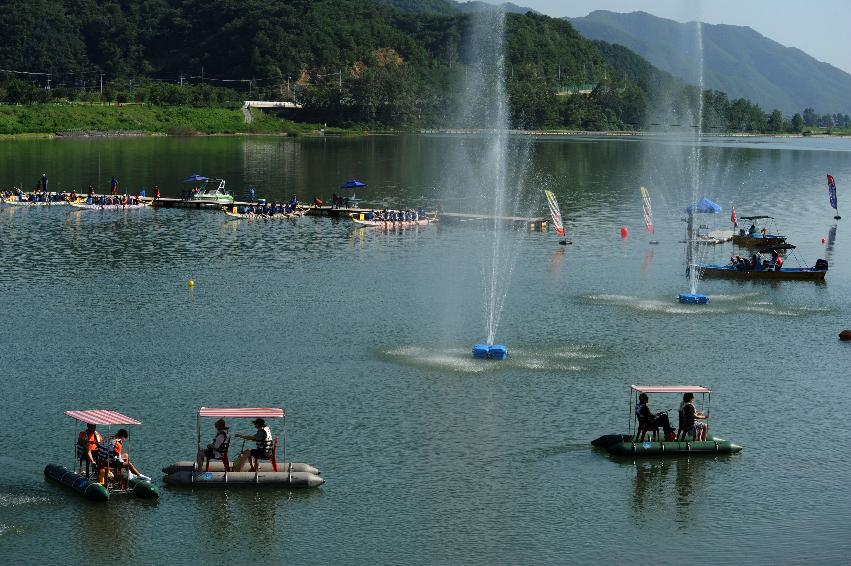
{"x": 364, "y": 336}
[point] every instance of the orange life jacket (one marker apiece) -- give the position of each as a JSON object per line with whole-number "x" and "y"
{"x": 91, "y": 441}
{"x": 118, "y": 447}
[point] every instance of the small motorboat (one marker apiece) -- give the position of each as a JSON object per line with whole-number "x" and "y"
{"x": 646, "y": 441}
{"x": 102, "y": 478}
{"x": 755, "y": 236}
{"x": 265, "y": 470}
{"x": 207, "y": 189}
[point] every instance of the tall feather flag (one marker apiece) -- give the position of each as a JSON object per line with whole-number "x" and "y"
{"x": 647, "y": 209}
{"x": 733, "y": 218}
{"x": 831, "y": 191}
{"x": 555, "y": 212}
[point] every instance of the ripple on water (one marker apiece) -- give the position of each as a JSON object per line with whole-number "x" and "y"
{"x": 730, "y": 304}
{"x": 460, "y": 360}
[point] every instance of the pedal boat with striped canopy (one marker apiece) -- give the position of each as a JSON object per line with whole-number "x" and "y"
{"x": 641, "y": 442}
{"x": 102, "y": 481}
{"x": 265, "y": 471}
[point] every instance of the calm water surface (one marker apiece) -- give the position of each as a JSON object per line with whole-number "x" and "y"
{"x": 364, "y": 336}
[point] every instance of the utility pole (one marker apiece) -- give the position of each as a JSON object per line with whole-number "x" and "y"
{"x": 48, "y": 81}
{"x": 202, "y": 74}
{"x": 101, "y": 83}
{"x": 340, "y": 71}
{"x": 181, "y": 79}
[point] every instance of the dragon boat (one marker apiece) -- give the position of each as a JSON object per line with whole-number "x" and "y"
{"x": 645, "y": 441}
{"x": 763, "y": 269}
{"x": 84, "y": 205}
{"x": 233, "y": 212}
{"x": 363, "y": 219}
{"x": 265, "y": 468}
{"x": 52, "y": 199}
{"x": 102, "y": 478}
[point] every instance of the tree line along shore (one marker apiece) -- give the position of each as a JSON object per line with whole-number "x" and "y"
{"x": 40, "y": 120}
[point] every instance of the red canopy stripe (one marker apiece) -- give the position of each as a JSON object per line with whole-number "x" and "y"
{"x": 102, "y": 417}
{"x": 242, "y": 412}
{"x": 671, "y": 389}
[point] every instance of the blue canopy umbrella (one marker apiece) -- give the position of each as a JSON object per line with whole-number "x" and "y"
{"x": 195, "y": 178}
{"x": 353, "y": 184}
{"x": 703, "y": 206}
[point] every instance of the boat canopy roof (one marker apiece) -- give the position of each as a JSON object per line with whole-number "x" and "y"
{"x": 352, "y": 184}
{"x": 194, "y": 178}
{"x": 670, "y": 389}
{"x": 778, "y": 247}
{"x": 756, "y": 217}
{"x": 102, "y": 417}
{"x": 241, "y": 412}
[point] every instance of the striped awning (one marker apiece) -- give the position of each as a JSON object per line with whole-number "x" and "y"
{"x": 241, "y": 412}
{"x": 671, "y": 389}
{"x": 102, "y": 417}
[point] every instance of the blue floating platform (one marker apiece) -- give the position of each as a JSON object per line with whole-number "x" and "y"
{"x": 693, "y": 299}
{"x": 480, "y": 351}
{"x": 490, "y": 352}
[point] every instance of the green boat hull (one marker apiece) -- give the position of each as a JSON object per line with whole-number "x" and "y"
{"x": 85, "y": 487}
{"x": 637, "y": 449}
{"x": 144, "y": 489}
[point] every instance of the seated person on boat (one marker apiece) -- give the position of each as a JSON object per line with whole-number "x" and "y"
{"x": 264, "y": 441}
{"x": 87, "y": 445}
{"x": 689, "y": 416}
{"x": 752, "y": 230}
{"x": 647, "y": 420}
{"x": 112, "y": 454}
{"x": 217, "y": 449}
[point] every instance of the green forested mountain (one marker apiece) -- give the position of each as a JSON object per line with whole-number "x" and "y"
{"x": 383, "y": 62}
{"x": 738, "y": 60}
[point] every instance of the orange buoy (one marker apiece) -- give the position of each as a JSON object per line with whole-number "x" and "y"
{"x": 624, "y": 232}
{"x": 823, "y": 241}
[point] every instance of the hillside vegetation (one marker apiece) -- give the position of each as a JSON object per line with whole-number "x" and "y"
{"x": 383, "y": 63}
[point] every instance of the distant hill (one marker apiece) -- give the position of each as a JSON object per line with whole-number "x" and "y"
{"x": 737, "y": 60}
{"x": 450, "y": 7}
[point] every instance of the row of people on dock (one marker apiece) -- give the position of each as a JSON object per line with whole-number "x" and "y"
{"x": 689, "y": 419}
{"x": 218, "y": 449}
{"x": 396, "y": 215}
{"x": 755, "y": 264}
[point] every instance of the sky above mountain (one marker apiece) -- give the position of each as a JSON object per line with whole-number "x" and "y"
{"x": 813, "y": 26}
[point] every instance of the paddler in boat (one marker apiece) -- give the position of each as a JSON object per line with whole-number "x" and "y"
{"x": 117, "y": 457}
{"x": 88, "y": 442}
{"x": 689, "y": 416}
{"x": 752, "y": 229}
{"x": 649, "y": 420}
{"x": 263, "y": 439}
{"x": 218, "y": 448}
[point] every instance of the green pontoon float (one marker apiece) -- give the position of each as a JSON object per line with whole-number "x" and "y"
{"x": 648, "y": 442}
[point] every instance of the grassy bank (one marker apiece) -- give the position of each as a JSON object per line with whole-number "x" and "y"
{"x": 46, "y": 119}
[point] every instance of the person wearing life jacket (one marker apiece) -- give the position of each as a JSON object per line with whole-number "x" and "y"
{"x": 264, "y": 441}
{"x": 217, "y": 449}
{"x": 689, "y": 416}
{"x": 88, "y": 442}
{"x": 112, "y": 452}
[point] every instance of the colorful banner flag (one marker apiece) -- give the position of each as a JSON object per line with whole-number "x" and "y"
{"x": 647, "y": 209}
{"x": 733, "y": 218}
{"x": 831, "y": 190}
